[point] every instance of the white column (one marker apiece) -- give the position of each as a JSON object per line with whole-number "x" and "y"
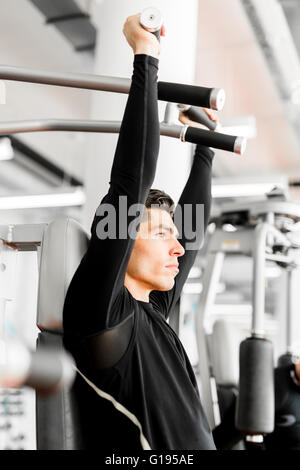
{"x": 115, "y": 58}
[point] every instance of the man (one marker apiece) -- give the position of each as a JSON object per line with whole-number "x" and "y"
{"x": 136, "y": 387}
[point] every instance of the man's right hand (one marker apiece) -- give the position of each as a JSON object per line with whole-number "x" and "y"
{"x": 185, "y": 120}
{"x": 140, "y": 40}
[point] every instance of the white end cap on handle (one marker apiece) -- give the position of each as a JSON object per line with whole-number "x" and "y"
{"x": 240, "y": 145}
{"x": 151, "y": 19}
{"x": 217, "y": 99}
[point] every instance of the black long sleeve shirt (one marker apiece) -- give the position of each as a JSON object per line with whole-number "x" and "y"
{"x": 125, "y": 347}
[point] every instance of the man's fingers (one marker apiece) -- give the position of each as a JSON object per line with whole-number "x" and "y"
{"x": 212, "y": 116}
{"x": 185, "y": 120}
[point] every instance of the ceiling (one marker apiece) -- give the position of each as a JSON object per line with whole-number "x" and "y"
{"x": 71, "y": 20}
{"x": 45, "y": 161}
{"x": 248, "y": 48}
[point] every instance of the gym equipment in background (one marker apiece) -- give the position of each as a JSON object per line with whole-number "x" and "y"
{"x": 261, "y": 230}
{"x": 287, "y": 357}
{"x": 60, "y": 246}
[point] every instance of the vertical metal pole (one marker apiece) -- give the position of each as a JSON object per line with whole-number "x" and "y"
{"x": 211, "y": 278}
{"x": 289, "y": 313}
{"x": 258, "y": 292}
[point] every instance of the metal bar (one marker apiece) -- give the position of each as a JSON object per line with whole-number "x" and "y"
{"x": 204, "y": 305}
{"x": 15, "y": 127}
{"x": 167, "y": 91}
{"x": 170, "y": 130}
{"x": 289, "y": 313}
{"x": 258, "y": 292}
{"x": 261, "y": 233}
{"x": 73, "y": 80}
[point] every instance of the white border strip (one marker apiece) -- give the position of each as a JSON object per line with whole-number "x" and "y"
{"x": 121, "y": 408}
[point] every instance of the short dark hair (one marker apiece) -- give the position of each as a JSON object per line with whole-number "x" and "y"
{"x": 161, "y": 200}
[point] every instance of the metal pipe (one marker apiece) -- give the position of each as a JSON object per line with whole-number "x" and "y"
{"x": 258, "y": 293}
{"x": 167, "y": 91}
{"x": 212, "y": 273}
{"x": 15, "y": 127}
{"x": 73, "y": 80}
{"x": 185, "y": 133}
{"x": 261, "y": 233}
{"x": 289, "y": 315}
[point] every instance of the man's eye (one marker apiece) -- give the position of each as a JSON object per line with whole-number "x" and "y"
{"x": 160, "y": 233}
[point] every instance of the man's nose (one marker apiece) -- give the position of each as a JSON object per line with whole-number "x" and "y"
{"x": 177, "y": 249}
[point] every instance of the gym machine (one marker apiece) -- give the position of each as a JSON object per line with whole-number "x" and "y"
{"x": 50, "y": 370}
{"x": 172, "y": 92}
{"x": 193, "y": 97}
{"x": 259, "y": 229}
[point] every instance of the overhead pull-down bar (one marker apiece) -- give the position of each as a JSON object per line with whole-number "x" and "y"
{"x": 213, "y": 98}
{"x": 185, "y": 133}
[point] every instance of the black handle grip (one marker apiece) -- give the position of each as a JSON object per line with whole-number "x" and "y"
{"x": 216, "y": 140}
{"x": 190, "y": 94}
{"x": 199, "y": 115}
{"x": 255, "y": 410}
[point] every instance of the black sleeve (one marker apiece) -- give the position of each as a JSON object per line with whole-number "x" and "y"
{"x": 96, "y": 300}
{"x": 195, "y": 204}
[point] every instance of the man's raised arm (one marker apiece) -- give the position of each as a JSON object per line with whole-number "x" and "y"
{"x": 100, "y": 276}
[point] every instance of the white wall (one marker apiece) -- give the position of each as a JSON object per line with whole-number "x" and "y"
{"x": 114, "y": 58}
{"x": 26, "y": 41}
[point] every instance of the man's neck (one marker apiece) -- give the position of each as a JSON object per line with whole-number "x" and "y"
{"x": 137, "y": 291}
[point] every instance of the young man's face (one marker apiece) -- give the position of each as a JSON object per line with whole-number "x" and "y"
{"x": 154, "y": 259}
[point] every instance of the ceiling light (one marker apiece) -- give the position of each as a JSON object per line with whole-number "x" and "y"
{"x": 246, "y": 189}
{"x": 75, "y": 197}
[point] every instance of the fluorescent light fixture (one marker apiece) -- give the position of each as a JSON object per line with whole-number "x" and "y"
{"x": 75, "y": 197}
{"x": 247, "y": 187}
{"x": 6, "y": 150}
{"x": 237, "y": 190}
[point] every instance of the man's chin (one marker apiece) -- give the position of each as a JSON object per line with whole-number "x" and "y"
{"x": 165, "y": 286}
